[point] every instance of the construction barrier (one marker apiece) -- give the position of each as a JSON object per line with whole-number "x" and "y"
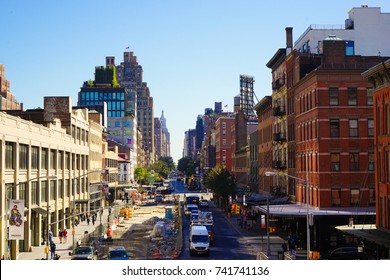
{"x": 314, "y": 255}
{"x": 175, "y": 255}
{"x": 156, "y": 254}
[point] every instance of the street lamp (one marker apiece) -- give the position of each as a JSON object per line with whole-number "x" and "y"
{"x": 306, "y": 181}
{"x": 51, "y": 177}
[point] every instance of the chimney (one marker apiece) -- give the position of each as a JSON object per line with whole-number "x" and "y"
{"x": 289, "y": 43}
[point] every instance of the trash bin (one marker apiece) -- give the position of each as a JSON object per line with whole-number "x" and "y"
{"x": 280, "y": 255}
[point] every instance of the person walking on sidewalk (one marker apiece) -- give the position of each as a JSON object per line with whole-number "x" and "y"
{"x": 60, "y": 235}
{"x": 93, "y": 218}
{"x": 50, "y": 236}
{"x": 88, "y": 219}
{"x": 65, "y": 235}
{"x": 53, "y": 250}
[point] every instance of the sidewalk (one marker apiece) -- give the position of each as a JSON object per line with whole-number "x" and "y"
{"x": 38, "y": 252}
{"x": 258, "y": 243}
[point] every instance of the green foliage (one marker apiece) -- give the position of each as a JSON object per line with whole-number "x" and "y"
{"x": 220, "y": 181}
{"x": 140, "y": 174}
{"x": 169, "y": 161}
{"x": 187, "y": 166}
{"x": 161, "y": 168}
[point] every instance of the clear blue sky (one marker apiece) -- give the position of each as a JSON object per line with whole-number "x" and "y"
{"x": 192, "y": 52}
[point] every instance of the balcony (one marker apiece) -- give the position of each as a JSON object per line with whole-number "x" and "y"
{"x": 279, "y": 164}
{"x": 280, "y": 137}
{"x": 279, "y": 110}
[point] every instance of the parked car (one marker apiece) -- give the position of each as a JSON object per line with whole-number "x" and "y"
{"x": 346, "y": 253}
{"x": 117, "y": 253}
{"x": 83, "y": 253}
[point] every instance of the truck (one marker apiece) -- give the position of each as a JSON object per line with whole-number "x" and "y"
{"x": 191, "y": 199}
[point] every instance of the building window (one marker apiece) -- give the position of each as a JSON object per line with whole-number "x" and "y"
{"x": 67, "y": 160}
{"x": 334, "y": 128}
{"x": 34, "y": 192}
{"x": 44, "y": 158}
{"x": 333, "y": 96}
{"x": 355, "y": 197}
{"x": 23, "y": 156}
{"x": 22, "y": 192}
{"x": 336, "y": 197}
{"x": 371, "y": 161}
{"x": 223, "y": 141}
{"x": 335, "y": 161}
{"x": 43, "y": 191}
{"x": 67, "y": 190}
{"x": 60, "y": 184}
{"x": 370, "y": 124}
{"x": 60, "y": 160}
{"x": 34, "y": 157}
{"x": 223, "y": 125}
{"x": 353, "y": 128}
{"x": 52, "y": 159}
{"x": 352, "y": 96}
{"x": 9, "y": 155}
{"x": 224, "y": 132}
{"x": 370, "y": 99}
{"x": 117, "y": 124}
{"x": 52, "y": 190}
{"x": 354, "y": 161}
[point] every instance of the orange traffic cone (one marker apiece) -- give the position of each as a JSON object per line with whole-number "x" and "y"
{"x": 175, "y": 254}
{"x": 156, "y": 254}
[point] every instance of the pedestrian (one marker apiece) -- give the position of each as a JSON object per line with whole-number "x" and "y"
{"x": 284, "y": 247}
{"x": 292, "y": 243}
{"x": 53, "y": 250}
{"x": 60, "y": 235}
{"x": 65, "y": 235}
{"x": 88, "y": 219}
{"x": 93, "y": 219}
{"x": 50, "y": 236}
{"x": 109, "y": 210}
{"x": 109, "y": 233}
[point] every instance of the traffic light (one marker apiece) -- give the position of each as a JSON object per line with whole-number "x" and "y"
{"x": 238, "y": 209}
{"x": 272, "y": 229}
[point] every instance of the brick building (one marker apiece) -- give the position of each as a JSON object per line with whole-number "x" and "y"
{"x": 334, "y": 127}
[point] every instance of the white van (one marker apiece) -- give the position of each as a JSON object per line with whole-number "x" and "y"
{"x": 199, "y": 241}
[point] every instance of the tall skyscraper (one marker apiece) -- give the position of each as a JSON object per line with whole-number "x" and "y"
{"x": 7, "y": 99}
{"x": 129, "y": 75}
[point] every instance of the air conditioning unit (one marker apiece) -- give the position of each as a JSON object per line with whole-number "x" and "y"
{"x": 348, "y": 24}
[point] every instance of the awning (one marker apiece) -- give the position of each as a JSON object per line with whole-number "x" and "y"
{"x": 297, "y": 210}
{"x": 368, "y": 232}
{"x": 81, "y": 201}
{"x": 40, "y": 210}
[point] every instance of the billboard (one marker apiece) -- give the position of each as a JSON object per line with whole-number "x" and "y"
{"x": 15, "y": 221}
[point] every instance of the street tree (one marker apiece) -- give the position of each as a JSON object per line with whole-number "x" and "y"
{"x": 221, "y": 182}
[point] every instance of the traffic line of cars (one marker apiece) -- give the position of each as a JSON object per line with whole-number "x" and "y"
{"x": 201, "y": 226}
